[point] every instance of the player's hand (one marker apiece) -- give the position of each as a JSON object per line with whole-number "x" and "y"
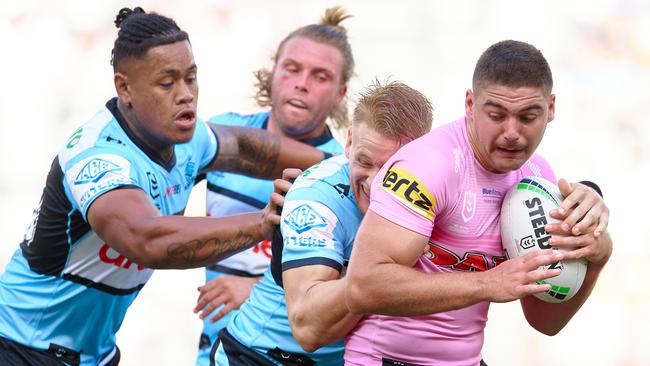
{"x": 517, "y": 277}
{"x": 581, "y": 209}
{"x": 227, "y": 290}
{"x": 276, "y": 201}
{"x": 595, "y": 249}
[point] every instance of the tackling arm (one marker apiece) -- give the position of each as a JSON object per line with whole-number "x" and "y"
{"x": 258, "y": 153}
{"x": 130, "y": 224}
{"x": 316, "y": 307}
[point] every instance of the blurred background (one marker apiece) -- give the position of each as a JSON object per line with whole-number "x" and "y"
{"x": 56, "y": 73}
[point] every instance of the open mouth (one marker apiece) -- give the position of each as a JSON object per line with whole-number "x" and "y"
{"x": 297, "y": 103}
{"x": 186, "y": 119}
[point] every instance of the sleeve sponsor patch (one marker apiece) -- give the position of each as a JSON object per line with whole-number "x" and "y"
{"x": 308, "y": 224}
{"x": 404, "y": 186}
{"x": 93, "y": 176}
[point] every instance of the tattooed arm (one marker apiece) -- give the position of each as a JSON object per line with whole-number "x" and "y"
{"x": 130, "y": 224}
{"x": 256, "y": 152}
{"x": 127, "y": 221}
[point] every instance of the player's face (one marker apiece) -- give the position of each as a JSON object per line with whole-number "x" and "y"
{"x": 306, "y": 85}
{"x": 163, "y": 91}
{"x": 368, "y": 151}
{"x": 505, "y": 124}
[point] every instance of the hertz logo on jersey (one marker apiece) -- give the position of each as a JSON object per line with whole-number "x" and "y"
{"x": 408, "y": 189}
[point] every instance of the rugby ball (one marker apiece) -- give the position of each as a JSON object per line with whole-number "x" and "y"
{"x": 524, "y": 213}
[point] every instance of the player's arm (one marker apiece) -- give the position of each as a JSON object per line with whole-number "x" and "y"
{"x": 380, "y": 278}
{"x": 127, "y": 221}
{"x": 316, "y": 307}
{"x": 550, "y": 318}
{"x": 583, "y": 204}
{"x": 258, "y": 153}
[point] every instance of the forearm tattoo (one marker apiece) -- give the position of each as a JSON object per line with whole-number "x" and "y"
{"x": 198, "y": 251}
{"x": 248, "y": 151}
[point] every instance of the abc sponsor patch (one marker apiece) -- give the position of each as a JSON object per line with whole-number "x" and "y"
{"x": 93, "y": 176}
{"x": 302, "y": 218}
{"x": 407, "y": 188}
{"x": 94, "y": 170}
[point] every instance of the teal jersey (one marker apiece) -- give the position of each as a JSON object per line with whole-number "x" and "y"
{"x": 65, "y": 289}
{"x": 319, "y": 221}
{"x": 228, "y": 194}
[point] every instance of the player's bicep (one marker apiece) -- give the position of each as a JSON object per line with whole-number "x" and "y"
{"x": 118, "y": 216}
{"x": 380, "y": 241}
{"x": 245, "y": 150}
{"x": 297, "y": 281}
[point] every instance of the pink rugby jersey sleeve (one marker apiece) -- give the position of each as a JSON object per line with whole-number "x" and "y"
{"x": 411, "y": 188}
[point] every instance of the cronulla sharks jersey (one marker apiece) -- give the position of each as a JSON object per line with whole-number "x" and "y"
{"x": 319, "y": 220}
{"x": 229, "y": 193}
{"x": 65, "y": 289}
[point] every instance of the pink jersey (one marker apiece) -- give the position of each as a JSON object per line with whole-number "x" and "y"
{"x": 434, "y": 186}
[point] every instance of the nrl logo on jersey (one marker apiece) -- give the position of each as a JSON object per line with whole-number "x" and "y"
{"x": 94, "y": 170}
{"x": 303, "y": 218}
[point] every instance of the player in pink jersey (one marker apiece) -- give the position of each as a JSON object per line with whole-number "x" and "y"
{"x": 424, "y": 265}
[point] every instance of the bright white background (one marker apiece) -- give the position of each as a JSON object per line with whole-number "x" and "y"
{"x": 55, "y": 74}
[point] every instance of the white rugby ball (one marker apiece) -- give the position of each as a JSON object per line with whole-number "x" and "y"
{"x": 524, "y": 213}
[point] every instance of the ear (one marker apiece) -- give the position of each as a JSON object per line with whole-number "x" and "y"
{"x": 122, "y": 88}
{"x": 469, "y": 104}
{"x": 551, "y": 108}
{"x": 348, "y": 143}
{"x": 342, "y": 90}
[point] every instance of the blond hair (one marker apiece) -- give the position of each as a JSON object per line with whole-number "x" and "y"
{"x": 328, "y": 31}
{"x": 395, "y": 110}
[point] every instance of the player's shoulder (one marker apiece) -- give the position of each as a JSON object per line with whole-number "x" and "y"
{"x": 257, "y": 120}
{"x": 327, "y": 182}
{"x": 332, "y": 170}
{"x": 438, "y": 151}
{"x": 100, "y": 133}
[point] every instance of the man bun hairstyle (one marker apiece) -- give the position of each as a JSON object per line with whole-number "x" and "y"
{"x": 329, "y": 31}
{"x": 512, "y": 64}
{"x": 395, "y": 110}
{"x": 140, "y": 31}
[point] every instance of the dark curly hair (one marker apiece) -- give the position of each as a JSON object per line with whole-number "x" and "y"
{"x": 139, "y": 31}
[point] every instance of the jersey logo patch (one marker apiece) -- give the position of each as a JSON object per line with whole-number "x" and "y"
{"x": 303, "y": 218}
{"x": 469, "y": 205}
{"x": 407, "y": 188}
{"x": 94, "y": 170}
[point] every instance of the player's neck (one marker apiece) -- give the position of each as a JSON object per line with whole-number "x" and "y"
{"x": 164, "y": 151}
{"x": 273, "y": 127}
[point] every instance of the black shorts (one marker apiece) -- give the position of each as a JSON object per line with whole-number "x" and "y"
{"x": 16, "y": 354}
{"x": 240, "y": 355}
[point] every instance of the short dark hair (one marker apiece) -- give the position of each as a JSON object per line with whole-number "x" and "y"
{"x": 513, "y": 64}
{"x": 139, "y": 31}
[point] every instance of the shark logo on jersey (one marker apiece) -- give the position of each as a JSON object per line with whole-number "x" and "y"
{"x": 94, "y": 170}
{"x": 303, "y": 218}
